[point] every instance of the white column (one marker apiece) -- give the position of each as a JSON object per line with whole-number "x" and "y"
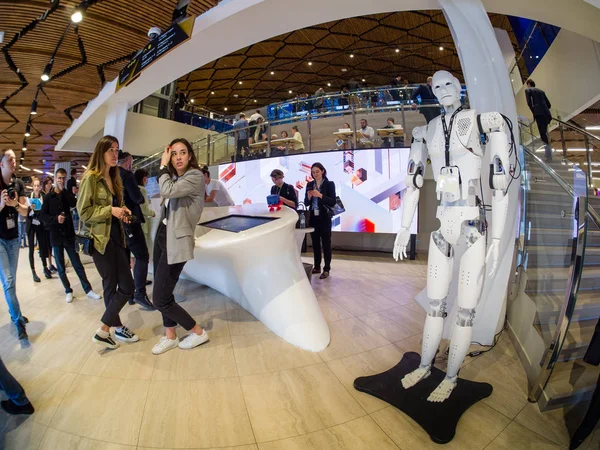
{"x": 114, "y": 124}
{"x": 489, "y": 89}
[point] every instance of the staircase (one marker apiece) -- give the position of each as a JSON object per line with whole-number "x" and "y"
{"x": 548, "y": 260}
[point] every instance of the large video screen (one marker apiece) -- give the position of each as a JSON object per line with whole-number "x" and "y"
{"x": 370, "y": 183}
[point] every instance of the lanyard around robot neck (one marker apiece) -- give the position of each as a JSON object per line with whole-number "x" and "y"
{"x": 447, "y": 131}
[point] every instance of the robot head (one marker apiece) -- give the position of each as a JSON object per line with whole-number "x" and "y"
{"x": 446, "y": 88}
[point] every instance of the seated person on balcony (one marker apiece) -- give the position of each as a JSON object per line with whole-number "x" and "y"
{"x": 346, "y": 142}
{"x": 368, "y": 135}
{"x": 297, "y": 136}
{"x": 286, "y": 192}
{"x": 215, "y": 193}
{"x": 387, "y": 141}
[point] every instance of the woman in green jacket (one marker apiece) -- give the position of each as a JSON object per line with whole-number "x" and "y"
{"x": 100, "y": 206}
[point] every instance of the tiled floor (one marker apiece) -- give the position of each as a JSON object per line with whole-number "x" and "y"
{"x": 247, "y": 388}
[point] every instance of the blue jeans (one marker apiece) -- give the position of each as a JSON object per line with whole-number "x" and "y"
{"x": 23, "y": 233}
{"x": 14, "y": 391}
{"x": 9, "y": 258}
{"x": 59, "y": 256}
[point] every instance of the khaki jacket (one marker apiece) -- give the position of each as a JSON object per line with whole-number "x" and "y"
{"x": 94, "y": 204}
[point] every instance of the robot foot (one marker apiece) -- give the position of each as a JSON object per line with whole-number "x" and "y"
{"x": 443, "y": 391}
{"x": 412, "y": 378}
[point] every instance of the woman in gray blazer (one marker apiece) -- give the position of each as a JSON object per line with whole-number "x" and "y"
{"x": 182, "y": 192}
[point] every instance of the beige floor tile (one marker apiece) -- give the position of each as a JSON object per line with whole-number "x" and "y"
{"x": 550, "y": 424}
{"x": 54, "y": 440}
{"x": 62, "y": 351}
{"x": 237, "y": 447}
{"x": 296, "y": 402}
{"x": 476, "y": 429}
{"x": 361, "y": 304}
{"x": 516, "y": 436}
{"x": 416, "y": 308}
{"x": 395, "y": 324}
{"x": 411, "y": 344}
{"x": 331, "y": 311}
{"x": 45, "y": 389}
{"x": 507, "y": 377}
{"x": 215, "y": 359}
{"x": 401, "y": 295}
{"x": 130, "y": 361}
{"x": 242, "y": 322}
{"x": 267, "y": 352}
{"x": 188, "y": 413}
{"x": 349, "y": 337}
{"x": 365, "y": 364}
{"x": 359, "y": 434}
{"x": 105, "y": 409}
{"x": 20, "y": 432}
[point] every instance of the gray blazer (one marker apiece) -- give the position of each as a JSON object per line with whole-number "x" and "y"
{"x": 186, "y": 201}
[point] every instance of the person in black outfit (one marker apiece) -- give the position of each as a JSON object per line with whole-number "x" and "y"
{"x": 134, "y": 234}
{"x": 425, "y": 91}
{"x": 56, "y": 215}
{"x": 540, "y": 108}
{"x": 72, "y": 183}
{"x": 35, "y": 229}
{"x": 320, "y": 192}
{"x": 396, "y": 84}
{"x": 286, "y": 192}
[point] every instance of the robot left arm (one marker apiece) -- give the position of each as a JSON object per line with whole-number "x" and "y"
{"x": 493, "y": 126}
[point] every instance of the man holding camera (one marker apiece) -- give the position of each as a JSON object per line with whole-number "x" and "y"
{"x": 12, "y": 204}
{"x": 134, "y": 234}
{"x": 56, "y": 215}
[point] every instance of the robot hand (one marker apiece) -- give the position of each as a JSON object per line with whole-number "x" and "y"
{"x": 401, "y": 243}
{"x": 491, "y": 259}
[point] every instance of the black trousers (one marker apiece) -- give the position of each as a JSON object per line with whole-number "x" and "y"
{"x": 136, "y": 242}
{"x": 33, "y": 232}
{"x": 542, "y": 123}
{"x": 242, "y": 144}
{"x": 321, "y": 238}
{"x": 589, "y": 421}
{"x": 165, "y": 278}
{"x": 117, "y": 281}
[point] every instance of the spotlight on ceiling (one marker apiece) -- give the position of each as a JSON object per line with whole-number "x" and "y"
{"x": 441, "y": 49}
{"x": 23, "y": 167}
{"x": 310, "y": 63}
{"x": 212, "y": 92}
{"x": 77, "y": 15}
{"x": 24, "y": 149}
{"x": 397, "y": 50}
{"x": 272, "y": 73}
{"x": 27, "y": 130}
{"x": 192, "y": 101}
{"x": 329, "y": 84}
{"x": 351, "y": 55}
{"x": 240, "y": 82}
{"x": 225, "y": 109}
{"x": 363, "y": 80}
{"x": 255, "y": 101}
{"x": 33, "y": 107}
{"x": 236, "y": 95}
{"x": 47, "y": 70}
{"x": 289, "y": 92}
{"x": 37, "y": 171}
{"x": 84, "y": 167}
{"x": 24, "y": 145}
{"x": 49, "y": 173}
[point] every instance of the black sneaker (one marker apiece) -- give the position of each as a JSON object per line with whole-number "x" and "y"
{"x": 107, "y": 342}
{"x": 21, "y": 331}
{"x": 126, "y": 335}
{"x": 12, "y": 408}
{"x": 47, "y": 273}
{"x": 148, "y": 282}
{"x": 144, "y": 302}
{"x": 25, "y": 319}
{"x": 53, "y": 269}
{"x": 35, "y": 277}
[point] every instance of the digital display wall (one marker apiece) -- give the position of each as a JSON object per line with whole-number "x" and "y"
{"x": 370, "y": 183}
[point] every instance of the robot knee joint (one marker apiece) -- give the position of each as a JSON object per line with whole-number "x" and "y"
{"x": 437, "y": 308}
{"x": 465, "y": 317}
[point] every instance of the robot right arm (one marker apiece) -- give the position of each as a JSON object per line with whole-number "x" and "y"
{"x": 414, "y": 182}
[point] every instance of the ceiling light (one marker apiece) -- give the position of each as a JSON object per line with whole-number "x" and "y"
{"x": 329, "y": 84}
{"x": 594, "y": 127}
{"x": 593, "y": 164}
{"x": 27, "y": 130}
{"x": 225, "y": 109}
{"x": 84, "y": 167}
{"x": 240, "y": 82}
{"x": 344, "y": 70}
{"x": 289, "y": 92}
{"x": 255, "y": 101}
{"x": 272, "y": 73}
{"x": 236, "y": 95}
{"x": 441, "y": 49}
{"x": 24, "y": 168}
{"x": 212, "y": 93}
{"x": 47, "y": 71}
{"x": 192, "y": 101}
{"x": 33, "y": 107}
{"x": 37, "y": 170}
{"x": 310, "y": 63}
{"x": 571, "y": 150}
{"x": 397, "y": 50}
{"x": 537, "y": 57}
{"x": 24, "y": 149}
{"x": 351, "y": 55}
{"x": 49, "y": 173}
{"x": 77, "y": 16}
{"x": 363, "y": 80}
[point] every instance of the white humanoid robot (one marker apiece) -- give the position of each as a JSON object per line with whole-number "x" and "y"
{"x": 453, "y": 143}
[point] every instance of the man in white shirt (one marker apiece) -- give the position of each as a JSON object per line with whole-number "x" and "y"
{"x": 257, "y": 115}
{"x": 368, "y": 134}
{"x": 216, "y": 193}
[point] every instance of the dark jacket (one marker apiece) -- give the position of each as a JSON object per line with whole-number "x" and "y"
{"x": 328, "y": 192}
{"x": 287, "y": 191}
{"x": 538, "y": 102}
{"x": 54, "y": 204}
{"x": 426, "y": 93}
{"x": 133, "y": 197}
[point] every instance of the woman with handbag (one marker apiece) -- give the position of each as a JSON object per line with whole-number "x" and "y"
{"x": 101, "y": 208}
{"x": 36, "y": 229}
{"x": 320, "y": 196}
{"x": 182, "y": 192}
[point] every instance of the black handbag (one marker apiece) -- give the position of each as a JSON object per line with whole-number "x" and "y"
{"x": 335, "y": 210}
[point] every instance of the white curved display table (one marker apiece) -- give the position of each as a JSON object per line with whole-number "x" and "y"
{"x": 261, "y": 270}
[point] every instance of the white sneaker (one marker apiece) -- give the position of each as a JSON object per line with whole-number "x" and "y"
{"x": 193, "y": 340}
{"x": 69, "y": 297}
{"x": 93, "y": 295}
{"x": 164, "y": 345}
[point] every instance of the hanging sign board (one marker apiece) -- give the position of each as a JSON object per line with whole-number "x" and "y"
{"x": 157, "y": 47}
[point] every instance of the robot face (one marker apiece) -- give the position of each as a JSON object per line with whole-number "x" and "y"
{"x": 446, "y": 88}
